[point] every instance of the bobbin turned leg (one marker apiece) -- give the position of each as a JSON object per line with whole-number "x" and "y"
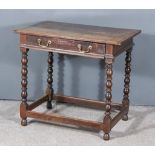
{"x": 126, "y": 90}
{"x": 24, "y": 71}
{"x": 49, "y": 90}
{"x": 108, "y": 96}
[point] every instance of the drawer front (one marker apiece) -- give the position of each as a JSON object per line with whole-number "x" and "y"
{"x": 65, "y": 44}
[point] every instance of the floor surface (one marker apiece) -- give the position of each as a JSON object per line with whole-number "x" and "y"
{"x": 138, "y": 130}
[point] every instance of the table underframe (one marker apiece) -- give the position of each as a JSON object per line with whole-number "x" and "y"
{"x": 108, "y": 123}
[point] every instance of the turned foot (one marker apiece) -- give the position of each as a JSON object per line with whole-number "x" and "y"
{"x": 106, "y": 136}
{"x": 49, "y": 105}
{"x": 23, "y": 122}
{"x": 125, "y": 117}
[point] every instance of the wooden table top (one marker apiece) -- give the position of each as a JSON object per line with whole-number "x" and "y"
{"x": 108, "y": 35}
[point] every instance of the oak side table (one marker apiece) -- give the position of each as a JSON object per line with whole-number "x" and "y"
{"x": 80, "y": 40}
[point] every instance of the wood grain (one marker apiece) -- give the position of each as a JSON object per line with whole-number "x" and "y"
{"x": 108, "y": 35}
{"x": 37, "y": 103}
{"x": 95, "y": 104}
{"x": 66, "y": 120}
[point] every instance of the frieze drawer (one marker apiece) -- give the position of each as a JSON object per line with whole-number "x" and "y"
{"x": 66, "y": 44}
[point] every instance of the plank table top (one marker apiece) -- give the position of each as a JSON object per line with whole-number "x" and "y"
{"x": 107, "y": 35}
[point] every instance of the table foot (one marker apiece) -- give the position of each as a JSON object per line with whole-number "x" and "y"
{"x": 125, "y": 117}
{"x": 24, "y": 122}
{"x": 106, "y": 136}
{"x": 49, "y": 105}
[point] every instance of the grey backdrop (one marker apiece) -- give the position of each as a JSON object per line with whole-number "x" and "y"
{"x": 79, "y": 76}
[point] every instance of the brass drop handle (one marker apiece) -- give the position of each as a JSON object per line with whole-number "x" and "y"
{"x": 49, "y": 42}
{"x": 80, "y": 48}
